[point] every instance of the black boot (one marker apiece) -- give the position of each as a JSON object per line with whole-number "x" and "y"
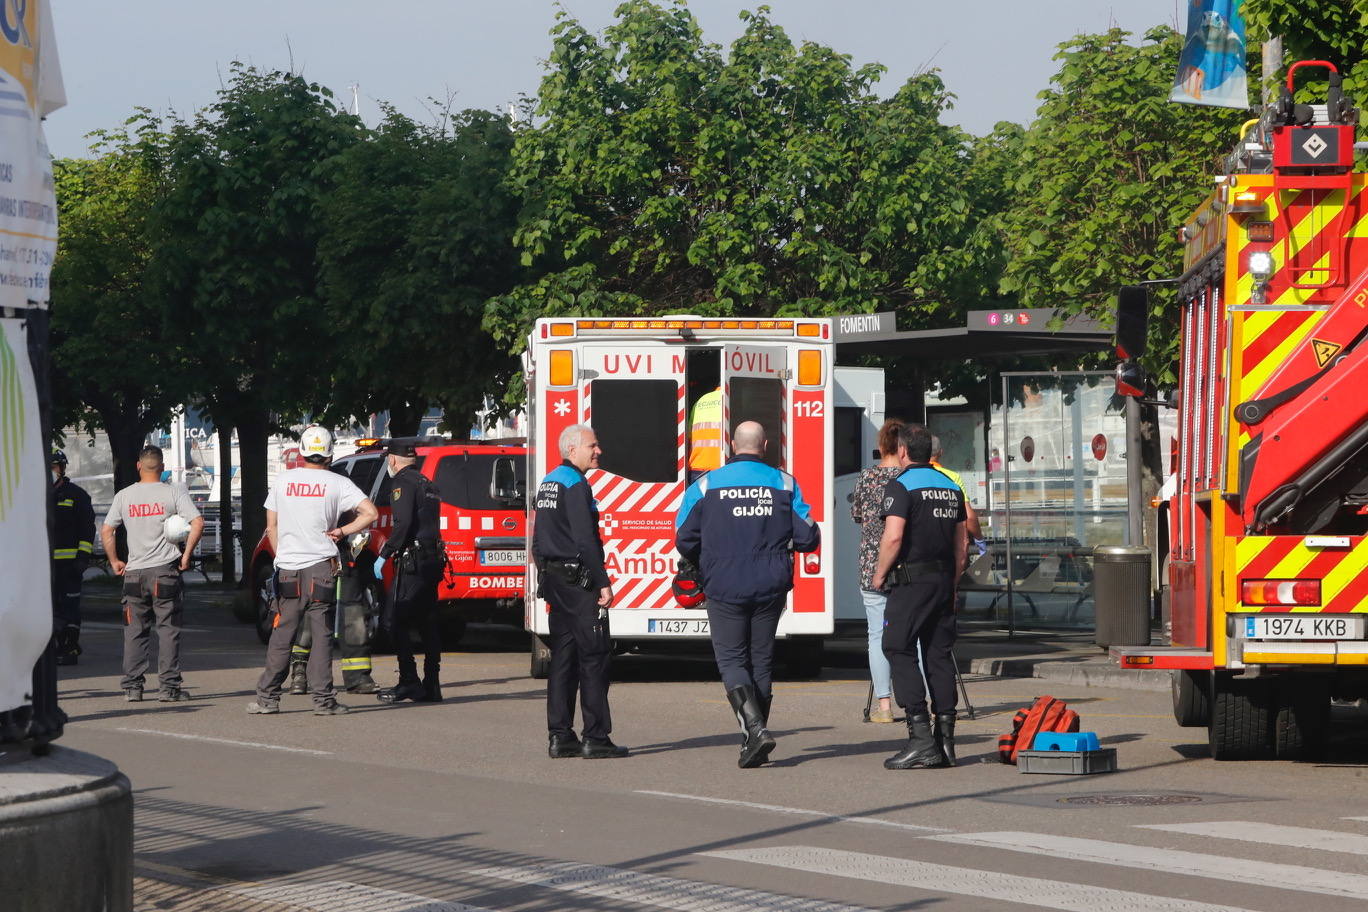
{"x": 945, "y": 735}
{"x": 432, "y": 690}
{"x": 749, "y": 712}
{"x": 68, "y": 645}
{"x": 765, "y": 704}
{"x": 299, "y": 677}
{"x": 407, "y": 689}
{"x": 921, "y": 752}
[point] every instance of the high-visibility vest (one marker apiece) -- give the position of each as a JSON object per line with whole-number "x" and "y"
{"x": 705, "y": 433}
{"x": 953, "y": 476}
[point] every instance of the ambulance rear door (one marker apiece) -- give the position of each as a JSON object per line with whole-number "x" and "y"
{"x": 858, "y": 399}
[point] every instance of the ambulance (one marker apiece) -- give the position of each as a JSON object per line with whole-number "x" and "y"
{"x": 635, "y": 381}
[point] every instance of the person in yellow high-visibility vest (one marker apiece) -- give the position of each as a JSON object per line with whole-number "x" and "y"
{"x": 705, "y": 433}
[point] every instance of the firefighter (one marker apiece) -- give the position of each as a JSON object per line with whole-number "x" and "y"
{"x": 355, "y": 642}
{"x": 72, "y": 542}
{"x": 705, "y": 433}
{"x": 303, "y": 512}
{"x": 740, "y": 525}
{"x": 152, "y": 585}
{"x": 569, "y": 556}
{"x": 922, "y": 553}
{"x": 419, "y": 560}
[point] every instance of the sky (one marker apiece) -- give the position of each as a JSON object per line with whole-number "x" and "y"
{"x": 171, "y": 55}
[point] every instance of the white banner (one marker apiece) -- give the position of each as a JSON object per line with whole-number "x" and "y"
{"x": 30, "y": 88}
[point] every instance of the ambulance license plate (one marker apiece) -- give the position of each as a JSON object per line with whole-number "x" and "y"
{"x": 689, "y": 626}
{"x": 502, "y": 558}
{"x": 1302, "y": 627}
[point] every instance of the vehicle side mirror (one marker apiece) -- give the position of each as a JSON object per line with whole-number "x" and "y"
{"x": 503, "y": 482}
{"x": 1132, "y": 321}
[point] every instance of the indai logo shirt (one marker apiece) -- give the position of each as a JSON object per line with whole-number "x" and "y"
{"x": 143, "y": 508}
{"x": 307, "y": 503}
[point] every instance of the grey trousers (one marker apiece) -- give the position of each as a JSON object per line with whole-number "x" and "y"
{"x": 316, "y": 588}
{"x": 153, "y": 593}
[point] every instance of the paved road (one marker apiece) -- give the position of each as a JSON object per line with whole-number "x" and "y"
{"x": 440, "y": 808}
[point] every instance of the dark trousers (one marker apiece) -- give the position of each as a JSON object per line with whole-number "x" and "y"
{"x": 580, "y": 653}
{"x": 153, "y": 593}
{"x": 314, "y": 607}
{"x": 922, "y": 612}
{"x": 66, "y": 601}
{"x": 743, "y": 642}
{"x": 413, "y": 606}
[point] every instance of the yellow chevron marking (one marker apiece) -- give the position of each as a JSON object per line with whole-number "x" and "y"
{"x": 1293, "y": 564}
{"x": 1345, "y": 572}
{"x": 1258, "y": 374}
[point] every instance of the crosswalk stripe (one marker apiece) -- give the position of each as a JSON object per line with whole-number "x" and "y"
{"x": 654, "y": 890}
{"x": 938, "y": 878}
{"x": 1195, "y": 864}
{"x": 340, "y": 896}
{"x": 1271, "y": 834}
{"x": 799, "y": 812}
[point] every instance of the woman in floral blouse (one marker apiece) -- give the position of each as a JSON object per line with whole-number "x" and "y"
{"x": 866, "y": 509}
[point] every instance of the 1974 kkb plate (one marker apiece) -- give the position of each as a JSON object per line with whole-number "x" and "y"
{"x": 1303, "y": 627}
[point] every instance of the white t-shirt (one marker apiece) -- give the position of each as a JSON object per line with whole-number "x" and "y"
{"x": 307, "y": 503}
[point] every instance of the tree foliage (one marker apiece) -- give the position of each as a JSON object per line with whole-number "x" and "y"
{"x": 417, "y": 236}
{"x": 1332, "y": 30}
{"x": 666, "y": 175}
{"x": 1108, "y": 173}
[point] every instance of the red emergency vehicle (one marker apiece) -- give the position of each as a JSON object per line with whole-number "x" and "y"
{"x": 483, "y": 524}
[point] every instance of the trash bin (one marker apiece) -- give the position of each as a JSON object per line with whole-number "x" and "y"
{"x": 1121, "y": 595}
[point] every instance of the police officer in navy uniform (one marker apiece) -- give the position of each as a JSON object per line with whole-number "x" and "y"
{"x": 740, "y": 524}
{"x": 922, "y": 554}
{"x": 415, "y": 546}
{"x": 569, "y": 556}
{"x": 73, "y": 539}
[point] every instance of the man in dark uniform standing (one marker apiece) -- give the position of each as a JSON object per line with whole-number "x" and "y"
{"x": 740, "y": 525}
{"x": 415, "y": 546}
{"x": 569, "y": 556}
{"x": 922, "y": 554}
{"x": 72, "y": 543}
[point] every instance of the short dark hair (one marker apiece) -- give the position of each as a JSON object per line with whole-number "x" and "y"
{"x": 917, "y": 440}
{"x": 150, "y": 452}
{"x": 888, "y": 437}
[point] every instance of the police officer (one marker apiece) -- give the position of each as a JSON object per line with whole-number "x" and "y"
{"x": 303, "y": 521}
{"x": 740, "y": 524}
{"x": 72, "y": 542}
{"x": 569, "y": 556}
{"x": 922, "y": 553}
{"x": 152, "y": 586}
{"x": 415, "y": 546}
{"x": 354, "y": 625}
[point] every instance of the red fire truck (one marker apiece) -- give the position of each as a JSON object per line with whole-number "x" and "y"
{"x": 484, "y": 488}
{"x": 1268, "y": 563}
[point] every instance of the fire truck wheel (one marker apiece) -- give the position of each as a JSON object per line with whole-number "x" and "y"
{"x": 261, "y": 596}
{"x": 541, "y": 658}
{"x": 452, "y": 631}
{"x": 1302, "y": 726}
{"x": 1242, "y": 714}
{"x": 1191, "y": 698}
{"x": 802, "y": 656}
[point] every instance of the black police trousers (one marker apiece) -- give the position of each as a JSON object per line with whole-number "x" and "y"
{"x": 743, "y": 642}
{"x": 580, "y": 653}
{"x": 922, "y": 612}
{"x": 413, "y": 605}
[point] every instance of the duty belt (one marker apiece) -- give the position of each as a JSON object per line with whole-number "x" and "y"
{"x": 569, "y": 571}
{"x": 908, "y": 571}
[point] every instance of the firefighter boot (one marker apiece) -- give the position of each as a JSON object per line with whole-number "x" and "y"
{"x": 299, "y": 676}
{"x": 922, "y": 751}
{"x": 750, "y": 714}
{"x": 359, "y": 683}
{"x": 945, "y": 735}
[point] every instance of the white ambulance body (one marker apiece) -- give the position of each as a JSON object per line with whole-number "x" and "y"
{"x": 635, "y": 381}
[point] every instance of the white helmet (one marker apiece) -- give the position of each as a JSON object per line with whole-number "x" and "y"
{"x": 316, "y": 441}
{"x": 176, "y": 528}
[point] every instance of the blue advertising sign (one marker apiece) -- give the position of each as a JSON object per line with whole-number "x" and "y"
{"x": 1211, "y": 69}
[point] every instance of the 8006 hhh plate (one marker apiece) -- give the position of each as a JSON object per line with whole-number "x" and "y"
{"x": 685, "y": 626}
{"x": 1303, "y": 627}
{"x": 505, "y": 557}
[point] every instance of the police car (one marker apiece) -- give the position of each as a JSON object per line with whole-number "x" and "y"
{"x": 483, "y": 523}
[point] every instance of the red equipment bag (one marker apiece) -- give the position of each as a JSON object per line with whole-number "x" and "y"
{"x": 1045, "y": 714}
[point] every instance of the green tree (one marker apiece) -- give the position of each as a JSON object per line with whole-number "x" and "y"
{"x": 238, "y": 250}
{"x": 1332, "y": 30}
{"x": 114, "y": 366}
{"x": 664, "y": 175}
{"x": 1109, "y": 171}
{"x": 417, "y": 236}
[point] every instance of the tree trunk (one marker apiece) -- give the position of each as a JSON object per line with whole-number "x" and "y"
{"x": 404, "y": 418}
{"x": 225, "y": 505}
{"x": 126, "y": 438}
{"x": 253, "y": 427}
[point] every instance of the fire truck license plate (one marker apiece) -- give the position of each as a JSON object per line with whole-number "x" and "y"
{"x": 502, "y": 558}
{"x": 698, "y": 626}
{"x": 1303, "y": 627}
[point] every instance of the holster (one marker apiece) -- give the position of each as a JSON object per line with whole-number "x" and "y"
{"x": 572, "y": 572}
